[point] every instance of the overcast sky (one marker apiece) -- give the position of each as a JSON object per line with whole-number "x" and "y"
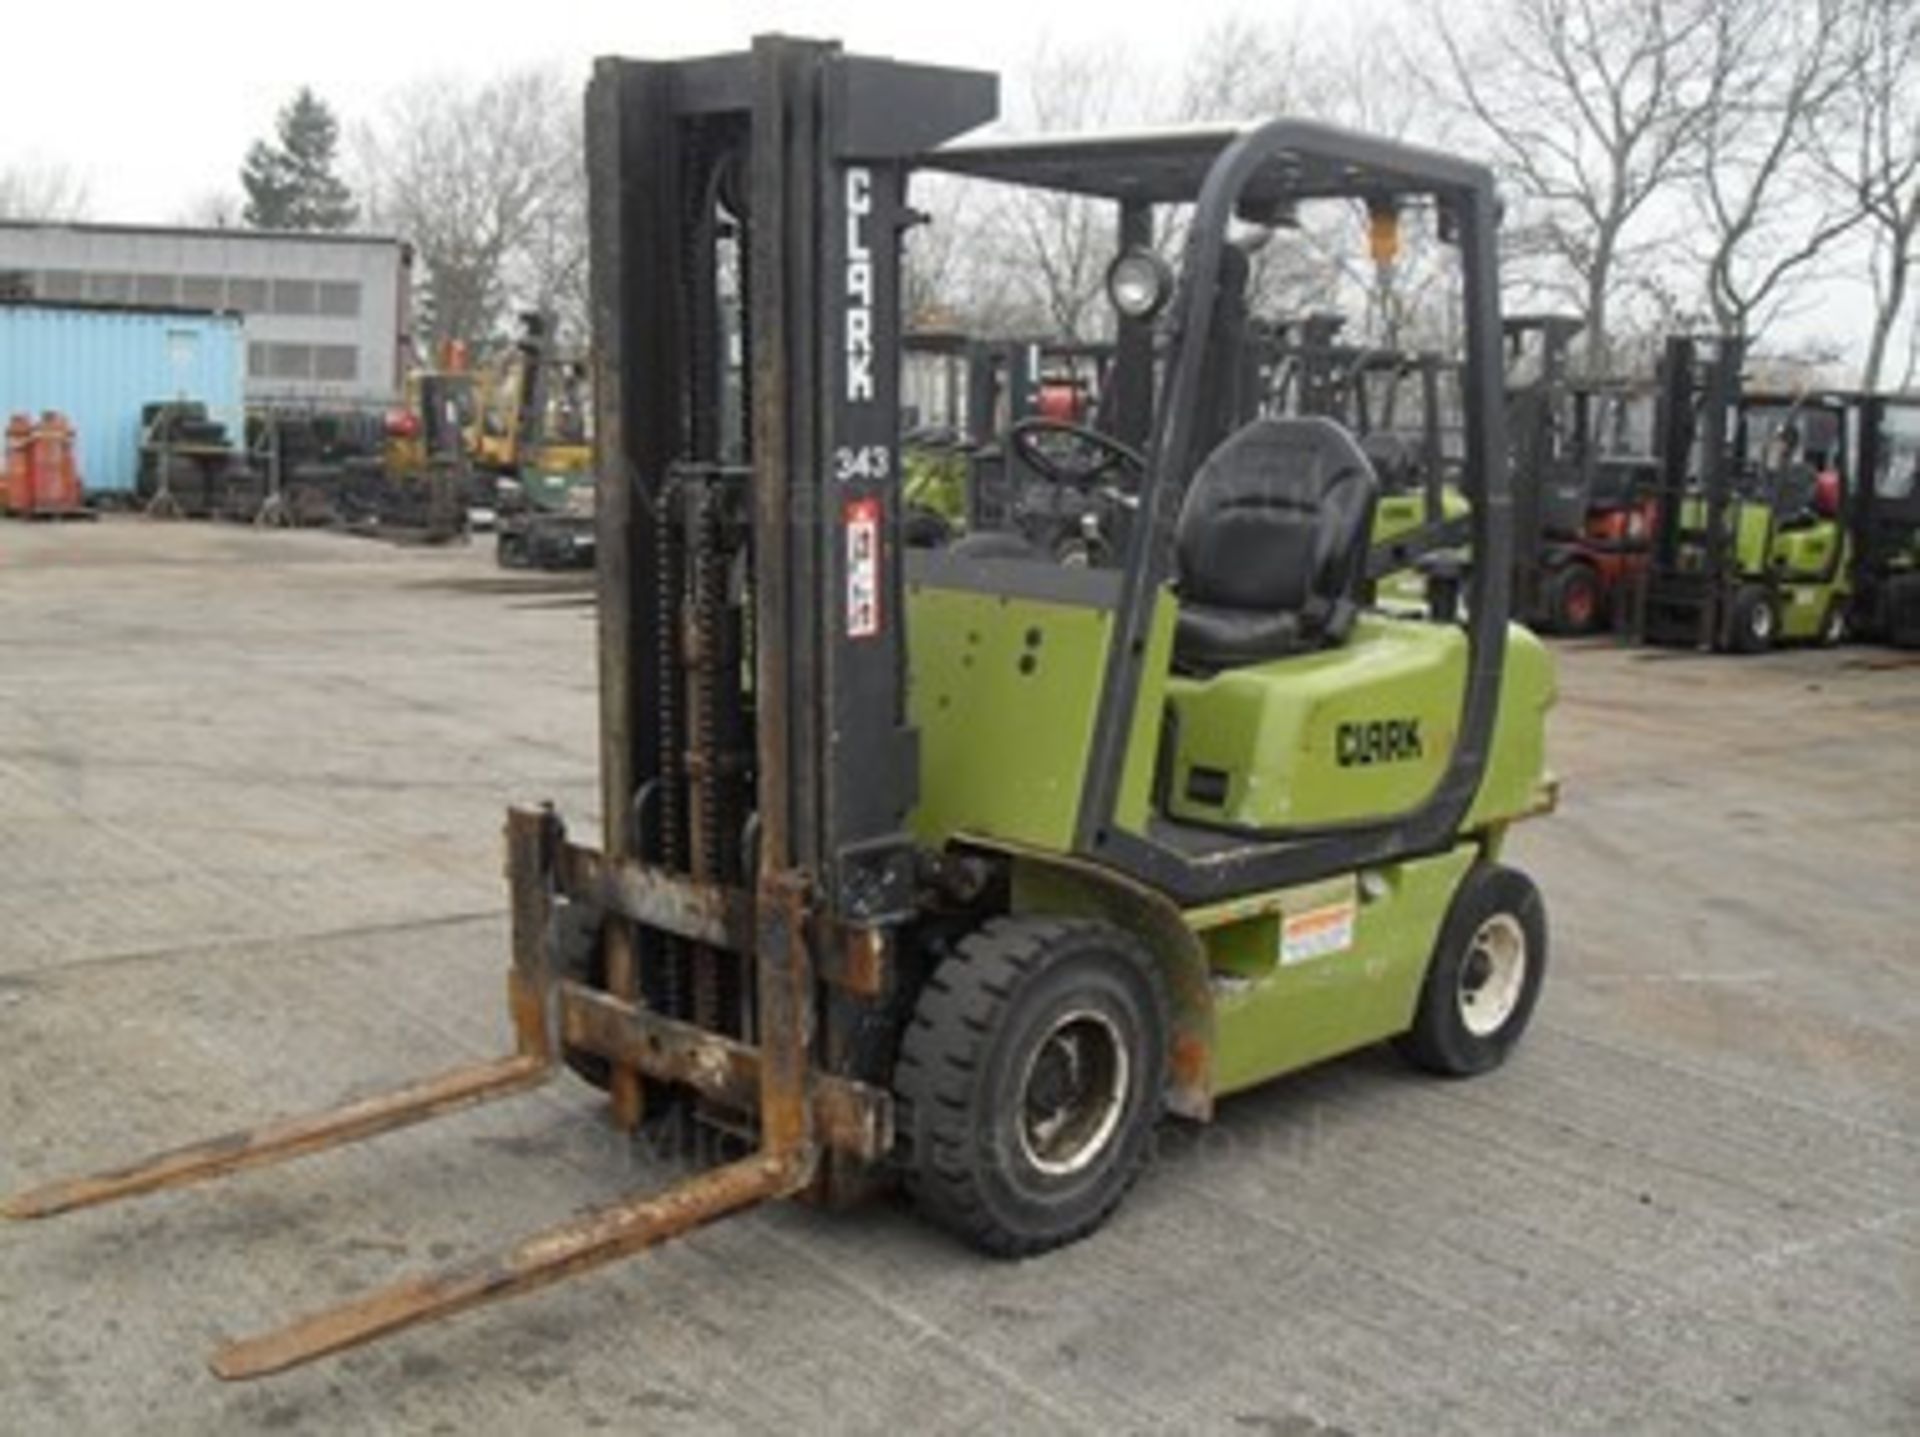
{"x": 153, "y": 106}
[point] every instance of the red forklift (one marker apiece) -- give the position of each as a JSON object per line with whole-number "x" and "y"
{"x": 1583, "y": 519}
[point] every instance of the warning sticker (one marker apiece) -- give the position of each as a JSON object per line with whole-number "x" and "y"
{"x": 1317, "y": 932}
{"x": 863, "y": 568}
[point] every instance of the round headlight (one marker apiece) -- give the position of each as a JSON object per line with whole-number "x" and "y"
{"x": 1139, "y": 283}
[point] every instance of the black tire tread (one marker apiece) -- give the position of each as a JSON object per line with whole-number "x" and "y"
{"x": 1427, "y": 1045}
{"x": 1741, "y": 639}
{"x": 942, "y": 1049}
{"x": 1557, "y": 587}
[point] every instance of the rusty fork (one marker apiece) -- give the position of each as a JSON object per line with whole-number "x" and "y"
{"x": 801, "y": 1111}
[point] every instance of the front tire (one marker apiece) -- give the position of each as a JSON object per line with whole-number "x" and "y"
{"x": 1574, "y": 600}
{"x": 1484, "y": 978}
{"x": 1752, "y": 622}
{"x": 1833, "y": 624}
{"x": 1029, "y": 1082}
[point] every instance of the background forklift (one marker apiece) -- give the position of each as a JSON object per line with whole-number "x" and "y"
{"x": 1750, "y": 538}
{"x": 533, "y": 444}
{"x": 1403, "y": 408}
{"x": 954, "y": 868}
{"x": 1583, "y": 516}
{"x": 416, "y": 487}
{"x": 1886, "y": 521}
{"x": 1008, "y": 484}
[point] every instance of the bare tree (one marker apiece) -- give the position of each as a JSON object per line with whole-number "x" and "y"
{"x": 1000, "y": 260}
{"x": 1872, "y": 158}
{"x": 42, "y": 192}
{"x": 1779, "y": 66}
{"x": 1056, "y": 246}
{"x": 1240, "y": 70}
{"x": 952, "y": 277}
{"x": 1595, "y": 108}
{"x": 548, "y": 271}
{"x": 485, "y": 181}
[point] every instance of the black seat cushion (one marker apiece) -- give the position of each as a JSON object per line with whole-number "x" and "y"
{"x": 1272, "y": 544}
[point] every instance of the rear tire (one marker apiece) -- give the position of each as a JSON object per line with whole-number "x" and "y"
{"x": 1833, "y": 624}
{"x": 1484, "y": 977}
{"x": 1574, "y": 600}
{"x": 1029, "y": 1081}
{"x": 1751, "y": 624}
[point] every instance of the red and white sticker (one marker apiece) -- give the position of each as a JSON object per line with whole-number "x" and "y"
{"x": 1317, "y": 933}
{"x": 863, "y": 568}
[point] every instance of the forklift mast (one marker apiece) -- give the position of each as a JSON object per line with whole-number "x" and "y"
{"x": 530, "y": 400}
{"x": 1552, "y": 479}
{"x": 1685, "y": 589}
{"x": 1307, "y": 367}
{"x": 1885, "y": 519}
{"x": 752, "y": 667}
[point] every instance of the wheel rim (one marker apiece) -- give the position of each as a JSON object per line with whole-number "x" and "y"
{"x": 1836, "y": 626}
{"x": 1073, "y": 1092}
{"x": 1761, "y": 624}
{"x": 1493, "y": 974}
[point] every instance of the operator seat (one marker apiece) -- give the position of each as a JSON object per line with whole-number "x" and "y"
{"x": 1271, "y": 544}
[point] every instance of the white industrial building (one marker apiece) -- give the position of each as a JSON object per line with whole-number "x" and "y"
{"x": 326, "y": 315}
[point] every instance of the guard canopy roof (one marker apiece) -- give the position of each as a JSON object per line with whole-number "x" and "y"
{"x": 1290, "y": 159}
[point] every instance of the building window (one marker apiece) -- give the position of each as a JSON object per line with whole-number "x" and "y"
{"x": 62, "y": 284}
{"x": 336, "y": 363}
{"x": 154, "y": 289}
{"x": 340, "y": 300}
{"x": 110, "y": 288}
{"x": 256, "y": 360}
{"x": 293, "y": 296}
{"x": 290, "y": 361}
{"x": 202, "y": 291}
{"x": 249, "y": 296}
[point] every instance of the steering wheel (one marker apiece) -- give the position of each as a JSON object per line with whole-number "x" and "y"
{"x": 1071, "y": 454}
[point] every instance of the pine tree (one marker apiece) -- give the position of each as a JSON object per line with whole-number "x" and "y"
{"x": 290, "y": 183}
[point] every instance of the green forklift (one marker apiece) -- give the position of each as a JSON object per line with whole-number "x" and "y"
{"x": 958, "y": 868}
{"x": 1750, "y": 518}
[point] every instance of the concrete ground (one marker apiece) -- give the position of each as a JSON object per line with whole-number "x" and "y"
{"x": 250, "y": 795}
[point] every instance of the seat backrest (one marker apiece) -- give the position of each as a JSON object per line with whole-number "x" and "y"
{"x": 1395, "y": 464}
{"x": 1277, "y": 520}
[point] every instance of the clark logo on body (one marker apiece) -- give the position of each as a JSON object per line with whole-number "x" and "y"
{"x": 1358, "y": 745}
{"x": 859, "y": 288}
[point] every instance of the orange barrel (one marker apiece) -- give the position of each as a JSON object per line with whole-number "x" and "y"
{"x": 20, "y": 464}
{"x": 56, "y": 479}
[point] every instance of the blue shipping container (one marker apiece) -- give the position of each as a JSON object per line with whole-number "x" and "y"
{"x": 99, "y": 366}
